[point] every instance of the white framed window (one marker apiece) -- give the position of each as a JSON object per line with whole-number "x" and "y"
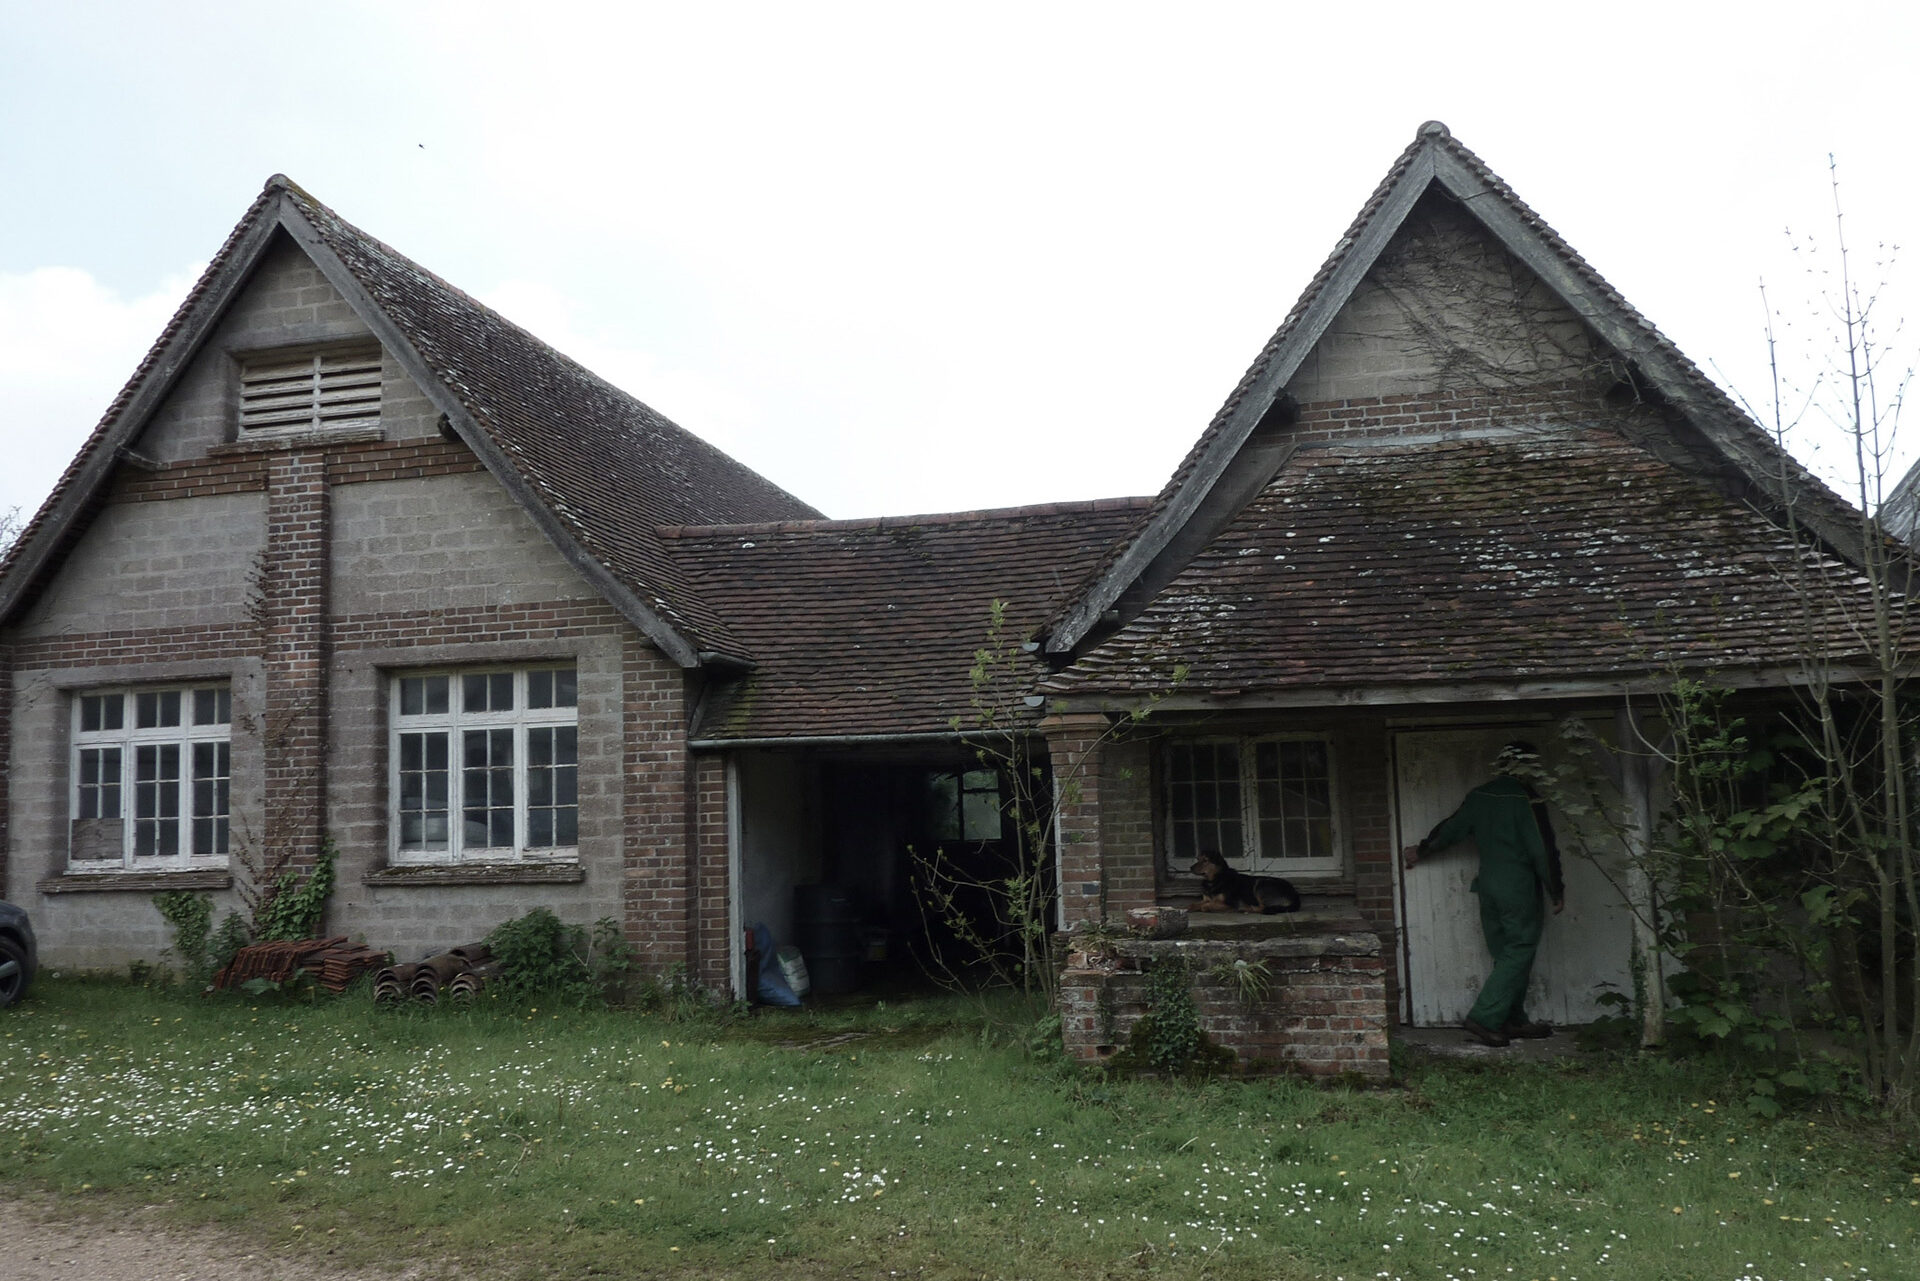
{"x": 1266, "y": 803}
{"x": 151, "y": 777}
{"x": 310, "y": 389}
{"x": 484, "y": 765}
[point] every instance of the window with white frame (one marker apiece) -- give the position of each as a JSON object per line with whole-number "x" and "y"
{"x": 151, "y": 775}
{"x": 311, "y": 389}
{"x": 1264, "y": 803}
{"x": 484, "y": 765}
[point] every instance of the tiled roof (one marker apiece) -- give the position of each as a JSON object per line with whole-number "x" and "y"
{"x": 1550, "y": 556}
{"x": 1434, "y": 137}
{"x": 609, "y": 468}
{"x": 870, "y": 627}
{"x": 606, "y": 467}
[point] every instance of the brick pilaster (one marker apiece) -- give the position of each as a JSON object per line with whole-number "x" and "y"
{"x": 1074, "y": 748}
{"x": 713, "y": 932}
{"x": 288, "y": 599}
{"x": 658, "y": 890}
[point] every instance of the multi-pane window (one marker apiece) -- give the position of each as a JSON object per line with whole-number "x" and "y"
{"x": 151, "y": 777}
{"x": 486, "y": 765}
{"x": 966, "y": 806}
{"x": 1265, "y": 803}
{"x": 332, "y": 388}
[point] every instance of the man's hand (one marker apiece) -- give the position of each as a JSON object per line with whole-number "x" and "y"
{"x": 1559, "y": 906}
{"x": 1410, "y": 855}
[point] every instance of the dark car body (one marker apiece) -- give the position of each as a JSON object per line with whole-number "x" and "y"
{"x": 18, "y": 955}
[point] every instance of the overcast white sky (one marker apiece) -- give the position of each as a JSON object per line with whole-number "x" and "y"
{"x": 906, "y": 258}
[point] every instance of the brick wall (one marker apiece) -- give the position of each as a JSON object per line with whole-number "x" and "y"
{"x": 1075, "y": 745}
{"x": 659, "y": 888}
{"x": 714, "y": 920}
{"x": 1126, "y": 824}
{"x": 1324, "y": 1013}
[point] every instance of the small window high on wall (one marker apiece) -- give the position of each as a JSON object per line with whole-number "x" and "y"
{"x": 310, "y": 389}
{"x": 1266, "y": 803}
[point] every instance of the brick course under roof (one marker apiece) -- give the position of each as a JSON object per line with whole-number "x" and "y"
{"x": 1552, "y": 555}
{"x": 869, "y": 628}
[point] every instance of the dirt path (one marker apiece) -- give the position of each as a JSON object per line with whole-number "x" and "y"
{"x": 40, "y": 1242}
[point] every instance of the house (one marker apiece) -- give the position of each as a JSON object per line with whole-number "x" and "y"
{"x": 352, "y": 558}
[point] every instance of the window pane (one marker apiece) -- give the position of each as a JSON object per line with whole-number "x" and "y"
{"x": 156, "y": 797}
{"x": 980, "y": 817}
{"x": 422, "y": 806}
{"x": 943, "y": 806}
{"x": 423, "y": 695}
{"x": 102, "y": 712}
{"x": 487, "y": 788}
{"x": 156, "y": 709}
{"x": 565, "y": 688}
{"x": 540, "y": 689}
{"x": 212, "y": 707}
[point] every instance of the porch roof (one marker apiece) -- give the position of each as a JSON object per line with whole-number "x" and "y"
{"x": 869, "y": 628}
{"x": 1531, "y": 555}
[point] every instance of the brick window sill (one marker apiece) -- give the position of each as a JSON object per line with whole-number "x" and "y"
{"x": 134, "y": 882}
{"x": 477, "y": 874}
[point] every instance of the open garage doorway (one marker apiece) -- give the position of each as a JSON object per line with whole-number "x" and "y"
{"x": 862, "y": 860}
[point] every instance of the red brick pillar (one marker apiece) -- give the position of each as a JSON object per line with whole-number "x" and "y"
{"x": 714, "y": 933}
{"x": 289, "y": 604}
{"x": 1075, "y": 743}
{"x": 658, "y": 891}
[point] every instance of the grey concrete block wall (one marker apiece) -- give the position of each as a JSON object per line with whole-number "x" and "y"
{"x": 441, "y": 542}
{"x": 146, "y": 566}
{"x": 1445, "y": 308}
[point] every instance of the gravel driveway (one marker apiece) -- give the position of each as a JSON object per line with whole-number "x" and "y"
{"x": 38, "y": 1242}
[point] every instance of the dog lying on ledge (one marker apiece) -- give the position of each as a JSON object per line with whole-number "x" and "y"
{"x": 1222, "y": 889}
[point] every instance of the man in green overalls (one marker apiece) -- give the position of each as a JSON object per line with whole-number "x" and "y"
{"x": 1518, "y": 855}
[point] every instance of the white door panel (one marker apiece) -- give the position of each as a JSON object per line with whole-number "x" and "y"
{"x": 1586, "y": 949}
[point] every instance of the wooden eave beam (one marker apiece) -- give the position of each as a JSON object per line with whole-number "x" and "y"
{"x": 1649, "y": 685}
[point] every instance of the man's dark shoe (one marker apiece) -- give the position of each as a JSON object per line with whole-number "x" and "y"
{"x": 1485, "y": 1035}
{"x": 1527, "y": 1031}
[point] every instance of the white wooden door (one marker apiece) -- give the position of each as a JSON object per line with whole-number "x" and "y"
{"x": 1586, "y": 949}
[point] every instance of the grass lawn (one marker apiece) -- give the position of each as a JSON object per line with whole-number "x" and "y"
{"x": 529, "y": 1142}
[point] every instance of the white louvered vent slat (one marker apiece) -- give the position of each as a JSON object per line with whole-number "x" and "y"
{"x": 323, "y": 389}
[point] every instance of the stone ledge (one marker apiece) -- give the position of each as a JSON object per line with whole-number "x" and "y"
{"x": 479, "y": 874}
{"x": 321, "y": 439}
{"x": 133, "y": 882}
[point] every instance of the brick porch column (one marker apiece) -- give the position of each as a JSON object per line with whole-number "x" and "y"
{"x": 289, "y": 603}
{"x": 713, "y": 935}
{"x": 656, "y": 803}
{"x": 1075, "y": 744}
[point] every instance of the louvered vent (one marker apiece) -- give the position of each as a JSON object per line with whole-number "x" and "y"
{"x": 330, "y": 389}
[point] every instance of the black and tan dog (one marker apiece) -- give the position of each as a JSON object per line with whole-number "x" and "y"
{"x": 1224, "y": 890}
